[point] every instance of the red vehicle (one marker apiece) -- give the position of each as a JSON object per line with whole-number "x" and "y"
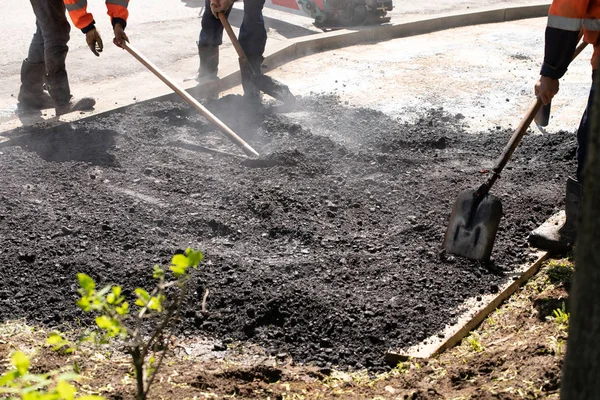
{"x": 331, "y": 14}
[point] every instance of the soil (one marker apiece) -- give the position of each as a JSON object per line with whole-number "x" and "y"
{"x": 325, "y": 249}
{"x": 516, "y": 353}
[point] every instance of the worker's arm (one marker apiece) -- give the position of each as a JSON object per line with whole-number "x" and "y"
{"x": 565, "y": 21}
{"x": 118, "y": 13}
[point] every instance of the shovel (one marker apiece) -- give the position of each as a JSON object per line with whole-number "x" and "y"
{"x": 191, "y": 101}
{"x": 264, "y": 83}
{"x": 476, "y": 213}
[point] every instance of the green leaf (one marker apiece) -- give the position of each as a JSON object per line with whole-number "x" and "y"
{"x": 155, "y": 303}
{"x": 158, "y": 273}
{"x": 116, "y": 290}
{"x": 85, "y": 304}
{"x": 68, "y": 376}
{"x": 86, "y": 282}
{"x": 178, "y": 270}
{"x": 54, "y": 339}
{"x": 180, "y": 260}
{"x": 65, "y": 390}
{"x": 8, "y": 377}
{"x": 104, "y": 322}
{"x": 111, "y": 298}
{"x": 123, "y": 309}
{"x": 20, "y": 361}
{"x": 143, "y": 297}
{"x": 195, "y": 257}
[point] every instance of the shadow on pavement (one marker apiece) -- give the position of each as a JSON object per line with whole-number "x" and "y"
{"x": 63, "y": 143}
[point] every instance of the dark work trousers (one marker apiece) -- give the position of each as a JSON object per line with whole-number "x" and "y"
{"x": 49, "y": 45}
{"x": 583, "y": 132}
{"x": 252, "y": 37}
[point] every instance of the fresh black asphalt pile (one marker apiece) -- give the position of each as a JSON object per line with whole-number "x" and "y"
{"x": 327, "y": 248}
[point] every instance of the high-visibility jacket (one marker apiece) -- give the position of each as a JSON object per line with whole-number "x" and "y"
{"x": 117, "y": 10}
{"x": 566, "y": 19}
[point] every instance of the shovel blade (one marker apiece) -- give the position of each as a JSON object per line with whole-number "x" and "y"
{"x": 275, "y": 89}
{"x": 473, "y": 225}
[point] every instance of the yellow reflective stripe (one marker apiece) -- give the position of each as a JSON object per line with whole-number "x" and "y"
{"x": 122, "y": 3}
{"x": 564, "y": 23}
{"x": 78, "y": 5}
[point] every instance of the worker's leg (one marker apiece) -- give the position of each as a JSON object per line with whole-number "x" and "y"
{"x": 253, "y": 38}
{"x": 52, "y": 20}
{"x": 253, "y": 35}
{"x": 211, "y": 37}
{"x": 33, "y": 71}
{"x": 560, "y": 238}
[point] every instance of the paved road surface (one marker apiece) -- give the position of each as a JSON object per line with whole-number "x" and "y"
{"x": 165, "y": 31}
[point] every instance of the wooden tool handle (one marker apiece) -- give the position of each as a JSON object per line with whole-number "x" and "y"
{"x": 191, "y": 101}
{"x": 234, "y": 40}
{"x": 518, "y": 135}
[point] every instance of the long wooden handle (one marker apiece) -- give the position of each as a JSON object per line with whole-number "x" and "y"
{"x": 234, "y": 40}
{"x": 191, "y": 101}
{"x": 518, "y": 134}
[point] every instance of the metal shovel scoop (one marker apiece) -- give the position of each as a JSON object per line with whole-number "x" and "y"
{"x": 476, "y": 213}
{"x": 264, "y": 83}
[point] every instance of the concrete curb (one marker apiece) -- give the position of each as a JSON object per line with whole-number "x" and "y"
{"x": 282, "y": 53}
{"x": 302, "y": 47}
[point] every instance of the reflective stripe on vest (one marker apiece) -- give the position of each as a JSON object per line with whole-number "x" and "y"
{"x": 122, "y": 3}
{"x": 78, "y": 5}
{"x": 573, "y": 24}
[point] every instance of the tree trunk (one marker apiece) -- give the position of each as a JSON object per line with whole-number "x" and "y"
{"x": 581, "y": 372}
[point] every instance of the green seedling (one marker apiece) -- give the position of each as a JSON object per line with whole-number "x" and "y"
{"x": 19, "y": 383}
{"x": 116, "y": 319}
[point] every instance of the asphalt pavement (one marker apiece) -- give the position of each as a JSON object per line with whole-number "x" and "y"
{"x": 165, "y": 31}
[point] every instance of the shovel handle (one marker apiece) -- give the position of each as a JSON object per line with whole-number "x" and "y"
{"x": 191, "y": 101}
{"x": 234, "y": 40}
{"x": 517, "y": 136}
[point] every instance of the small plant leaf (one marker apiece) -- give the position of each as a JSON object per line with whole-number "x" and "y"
{"x": 123, "y": 309}
{"x": 86, "y": 282}
{"x": 104, "y": 322}
{"x": 20, "y": 361}
{"x": 65, "y": 390}
{"x": 54, "y": 339}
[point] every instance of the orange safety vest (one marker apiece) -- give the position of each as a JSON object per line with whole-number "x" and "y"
{"x": 117, "y": 9}
{"x": 577, "y": 15}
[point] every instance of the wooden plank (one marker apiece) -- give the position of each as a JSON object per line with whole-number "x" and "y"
{"x": 475, "y": 314}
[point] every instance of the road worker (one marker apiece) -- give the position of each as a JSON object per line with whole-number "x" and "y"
{"x": 48, "y": 52}
{"x": 566, "y": 19}
{"x": 252, "y": 37}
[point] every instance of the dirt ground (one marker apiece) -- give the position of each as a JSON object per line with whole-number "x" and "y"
{"x": 325, "y": 249}
{"x": 515, "y": 354}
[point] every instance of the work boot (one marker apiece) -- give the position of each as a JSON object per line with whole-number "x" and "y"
{"x": 558, "y": 239}
{"x": 31, "y": 93}
{"x": 209, "y": 62}
{"x": 59, "y": 89}
{"x": 248, "y": 74}
{"x": 75, "y": 104}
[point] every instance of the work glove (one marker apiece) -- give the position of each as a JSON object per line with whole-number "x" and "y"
{"x": 94, "y": 41}
{"x": 546, "y": 88}
{"x": 120, "y": 35}
{"x": 220, "y": 6}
